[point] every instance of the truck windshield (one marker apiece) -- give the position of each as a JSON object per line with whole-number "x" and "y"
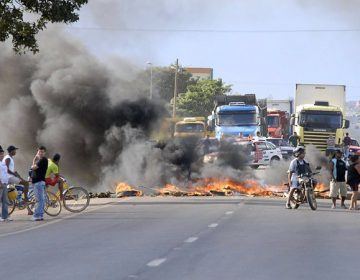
{"x": 272, "y": 121}
{"x": 237, "y": 119}
{"x": 189, "y": 127}
{"x": 327, "y": 120}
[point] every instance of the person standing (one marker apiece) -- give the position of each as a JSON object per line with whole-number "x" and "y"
{"x": 337, "y": 171}
{"x": 353, "y": 180}
{"x": 330, "y": 146}
{"x": 14, "y": 177}
{"x": 4, "y": 178}
{"x": 38, "y": 183}
{"x": 294, "y": 140}
{"x": 347, "y": 144}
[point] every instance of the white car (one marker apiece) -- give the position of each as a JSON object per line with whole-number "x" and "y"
{"x": 265, "y": 153}
{"x": 261, "y": 153}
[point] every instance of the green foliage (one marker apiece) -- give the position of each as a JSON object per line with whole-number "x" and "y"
{"x": 200, "y": 97}
{"x": 23, "y": 32}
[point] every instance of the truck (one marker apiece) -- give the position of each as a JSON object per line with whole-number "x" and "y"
{"x": 191, "y": 126}
{"x": 236, "y": 115}
{"x": 278, "y": 118}
{"x": 319, "y": 113}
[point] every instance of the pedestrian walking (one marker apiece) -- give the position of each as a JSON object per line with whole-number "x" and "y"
{"x": 353, "y": 180}
{"x": 38, "y": 183}
{"x": 347, "y": 144}
{"x": 338, "y": 183}
{"x": 4, "y": 178}
{"x": 294, "y": 140}
{"x": 330, "y": 146}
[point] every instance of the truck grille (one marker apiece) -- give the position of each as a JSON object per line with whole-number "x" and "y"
{"x": 318, "y": 139}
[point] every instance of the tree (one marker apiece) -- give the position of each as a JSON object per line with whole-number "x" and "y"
{"x": 164, "y": 81}
{"x": 23, "y": 32}
{"x": 200, "y": 97}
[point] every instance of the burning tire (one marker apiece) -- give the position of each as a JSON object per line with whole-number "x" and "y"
{"x": 254, "y": 166}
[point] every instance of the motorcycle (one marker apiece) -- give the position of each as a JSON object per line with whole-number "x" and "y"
{"x": 305, "y": 193}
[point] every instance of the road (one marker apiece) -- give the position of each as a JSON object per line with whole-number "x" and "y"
{"x": 162, "y": 238}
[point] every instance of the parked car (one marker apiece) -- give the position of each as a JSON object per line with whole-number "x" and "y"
{"x": 286, "y": 149}
{"x": 261, "y": 153}
{"x": 354, "y": 148}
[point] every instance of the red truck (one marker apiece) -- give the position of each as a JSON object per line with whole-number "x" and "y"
{"x": 278, "y": 118}
{"x": 278, "y": 124}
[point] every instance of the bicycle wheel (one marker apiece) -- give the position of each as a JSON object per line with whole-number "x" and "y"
{"x": 11, "y": 206}
{"x": 52, "y": 204}
{"x": 76, "y": 199}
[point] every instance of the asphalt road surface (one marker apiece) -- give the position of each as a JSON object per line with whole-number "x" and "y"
{"x": 185, "y": 238}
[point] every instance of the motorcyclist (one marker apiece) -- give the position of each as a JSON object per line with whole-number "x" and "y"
{"x": 298, "y": 166}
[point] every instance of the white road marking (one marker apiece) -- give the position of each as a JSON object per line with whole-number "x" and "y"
{"x": 213, "y": 225}
{"x": 55, "y": 221}
{"x": 156, "y": 262}
{"x": 229, "y": 212}
{"x": 191, "y": 239}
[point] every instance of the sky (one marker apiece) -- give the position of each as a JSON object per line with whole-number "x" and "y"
{"x": 259, "y": 46}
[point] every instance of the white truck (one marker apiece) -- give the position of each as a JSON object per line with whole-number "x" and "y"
{"x": 319, "y": 113}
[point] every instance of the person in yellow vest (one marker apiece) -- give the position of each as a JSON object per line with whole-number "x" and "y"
{"x": 52, "y": 176}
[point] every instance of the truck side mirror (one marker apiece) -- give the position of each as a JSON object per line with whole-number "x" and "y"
{"x": 346, "y": 124}
{"x": 292, "y": 120}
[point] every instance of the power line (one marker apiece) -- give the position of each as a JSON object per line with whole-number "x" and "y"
{"x": 174, "y": 30}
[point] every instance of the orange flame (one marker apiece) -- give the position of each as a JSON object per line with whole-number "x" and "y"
{"x": 123, "y": 189}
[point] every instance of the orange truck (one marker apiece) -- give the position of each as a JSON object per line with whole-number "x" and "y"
{"x": 278, "y": 118}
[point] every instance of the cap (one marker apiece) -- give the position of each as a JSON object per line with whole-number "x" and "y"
{"x": 11, "y": 148}
{"x": 338, "y": 151}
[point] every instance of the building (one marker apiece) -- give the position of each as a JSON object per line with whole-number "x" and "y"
{"x": 200, "y": 73}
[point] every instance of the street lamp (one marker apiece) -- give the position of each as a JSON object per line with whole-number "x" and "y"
{"x": 175, "y": 87}
{"x": 151, "y": 79}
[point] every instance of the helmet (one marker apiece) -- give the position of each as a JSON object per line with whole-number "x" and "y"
{"x": 298, "y": 150}
{"x": 12, "y": 193}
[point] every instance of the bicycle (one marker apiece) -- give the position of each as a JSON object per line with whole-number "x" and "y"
{"x": 52, "y": 202}
{"x": 75, "y": 199}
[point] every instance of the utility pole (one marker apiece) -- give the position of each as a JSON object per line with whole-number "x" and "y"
{"x": 175, "y": 87}
{"x": 151, "y": 79}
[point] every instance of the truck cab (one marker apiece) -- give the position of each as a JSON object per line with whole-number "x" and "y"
{"x": 238, "y": 115}
{"x": 190, "y": 127}
{"x": 315, "y": 123}
{"x": 278, "y": 124}
{"x": 319, "y": 113}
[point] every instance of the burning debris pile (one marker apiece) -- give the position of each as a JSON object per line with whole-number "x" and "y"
{"x": 206, "y": 187}
{"x": 124, "y": 190}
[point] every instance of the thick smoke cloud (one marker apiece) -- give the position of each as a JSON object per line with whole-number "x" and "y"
{"x": 66, "y": 100}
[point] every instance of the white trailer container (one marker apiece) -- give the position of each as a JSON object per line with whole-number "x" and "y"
{"x": 280, "y": 105}
{"x": 308, "y": 94}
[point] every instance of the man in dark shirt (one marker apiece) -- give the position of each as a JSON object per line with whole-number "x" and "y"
{"x": 38, "y": 182}
{"x": 294, "y": 140}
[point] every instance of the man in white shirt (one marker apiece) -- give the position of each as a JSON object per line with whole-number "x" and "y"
{"x": 14, "y": 177}
{"x": 3, "y": 189}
